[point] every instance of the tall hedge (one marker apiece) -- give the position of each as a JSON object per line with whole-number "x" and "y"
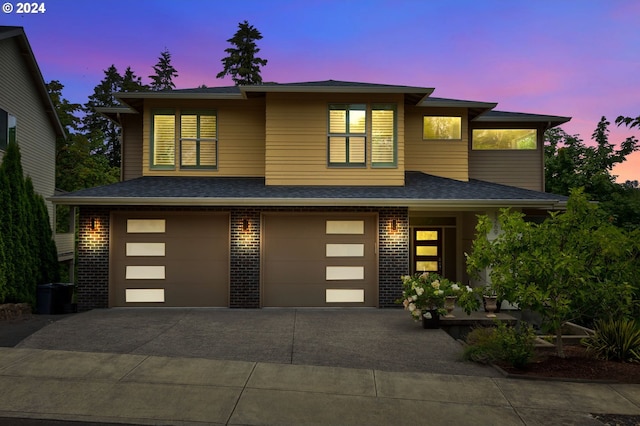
{"x": 28, "y": 247}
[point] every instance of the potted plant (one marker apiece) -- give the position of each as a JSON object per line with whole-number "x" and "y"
{"x": 424, "y": 296}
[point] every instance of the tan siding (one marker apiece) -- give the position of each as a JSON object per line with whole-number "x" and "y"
{"x": 35, "y": 134}
{"x": 296, "y": 142}
{"x": 241, "y": 129}
{"x": 523, "y": 169}
{"x": 132, "y": 146}
{"x": 447, "y": 159}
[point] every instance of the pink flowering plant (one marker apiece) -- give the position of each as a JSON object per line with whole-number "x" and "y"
{"x": 424, "y": 292}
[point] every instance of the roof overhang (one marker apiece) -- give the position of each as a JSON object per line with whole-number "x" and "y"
{"x": 475, "y": 108}
{"x": 313, "y": 202}
{"x": 518, "y": 117}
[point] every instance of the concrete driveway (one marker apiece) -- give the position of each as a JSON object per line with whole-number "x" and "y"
{"x": 354, "y": 338}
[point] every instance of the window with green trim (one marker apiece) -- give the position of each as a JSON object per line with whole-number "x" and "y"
{"x": 383, "y": 136}
{"x": 504, "y": 139}
{"x": 163, "y": 139}
{"x": 347, "y": 139}
{"x": 198, "y": 140}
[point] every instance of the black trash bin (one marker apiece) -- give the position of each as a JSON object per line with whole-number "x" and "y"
{"x": 44, "y": 299}
{"x": 54, "y": 298}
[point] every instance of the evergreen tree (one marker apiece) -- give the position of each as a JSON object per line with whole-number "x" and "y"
{"x": 4, "y": 235}
{"x": 241, "y": 63}
{"x": 164, "y": 73}
{"x": 103, "y": 134}
{"x": 15, "y": 230}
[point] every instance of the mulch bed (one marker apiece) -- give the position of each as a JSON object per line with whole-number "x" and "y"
{"x": 578, "y": 365}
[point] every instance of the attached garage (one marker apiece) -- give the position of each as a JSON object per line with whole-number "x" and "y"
{"x": 319, "y": 260}
{"x": 169, "y": 259}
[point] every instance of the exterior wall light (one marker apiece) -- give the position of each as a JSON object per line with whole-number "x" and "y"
{"x": 93, "y": 223}
{"x": 245, "y": 225}
{"x": 394, "y": 225}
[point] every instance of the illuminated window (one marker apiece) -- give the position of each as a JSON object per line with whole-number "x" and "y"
{"x": 495, "y": 139}
{"x": 163, "y": 145}
{"x": 383, "y": 135}
{"x": 347, "y": 135}
{"x": 436, "y": 127}
{"x": 8, "y": 126}
{"x": 198, "y": 140}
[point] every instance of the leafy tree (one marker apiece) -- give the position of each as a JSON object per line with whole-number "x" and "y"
{"x": 103, "y": 134}
{"x": 76, "y": 167}
{"x": 628, "y": 121}
{"x": 164, "y": 73}
{"x": 241, "y": 63}
{"x": 575, "y": 265}
{"x": 570, "y": 163}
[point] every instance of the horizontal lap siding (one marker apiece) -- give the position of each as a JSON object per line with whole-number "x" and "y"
{"x": 296, "y": 142}
{"x": 522, "y": 169}
{"x": 132, "y": 146}
{"x": 241, "y": 129}
{"x": 34, "y": 134}
{"x": 449, "y": 159}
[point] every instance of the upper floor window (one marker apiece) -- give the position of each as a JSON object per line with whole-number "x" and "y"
{"x": 349, "y": 126}
{"x": 347, "y": 135}
{"x": 198, "y": 140}
{"x": 8, "y": 127}
{"x": 436, "y": 127}
{"x": 497, "y": 139}
{"x": 163, "y": 142}
{"x": 383, "y": 135}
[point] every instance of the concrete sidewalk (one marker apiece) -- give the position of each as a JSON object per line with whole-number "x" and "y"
{"x": 142, "y": 389}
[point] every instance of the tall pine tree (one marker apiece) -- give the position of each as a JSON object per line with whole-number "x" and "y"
{"x": 242, "y": 64}
{"x": 164, "y": 73}
{"x": 103, "y": 134}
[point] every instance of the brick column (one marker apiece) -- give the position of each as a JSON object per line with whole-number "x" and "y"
{"x": 244, "y": 291}
{"x": 393, "y": 254}
{"x": 93, "y": 258}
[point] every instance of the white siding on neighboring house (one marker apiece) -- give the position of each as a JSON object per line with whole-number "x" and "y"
{"x": 35, "y": 134}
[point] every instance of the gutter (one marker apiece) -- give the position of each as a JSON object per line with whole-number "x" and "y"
{"x": 314, "y": 202}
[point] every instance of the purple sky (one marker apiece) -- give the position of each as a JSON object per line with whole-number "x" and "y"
{"x": 578, "y": 58}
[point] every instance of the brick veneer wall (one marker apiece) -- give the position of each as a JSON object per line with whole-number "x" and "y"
{"x": 393, "y": 254}
{"x": 93, "y": 258}
{"x": 244, "y": 291}
{"x": 244, "y": 288}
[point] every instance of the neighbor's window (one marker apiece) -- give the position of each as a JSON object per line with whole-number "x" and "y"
{"x": 495, "y": 139}
{"x": 383, "y": 135}
{"x": 347, "y": 137}
{"x": 198, "y": 139}
{"x": 436, "y": 127}
{"x": 163, "y": 142}
{"x": 8, "y": 125}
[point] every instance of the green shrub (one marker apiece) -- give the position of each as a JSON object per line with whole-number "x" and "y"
{"x": 513, "y": 345}
{"x": 615, "y": 339}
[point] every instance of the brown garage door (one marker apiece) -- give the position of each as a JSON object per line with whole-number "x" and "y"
{"x": 169, "y": 259}
{"x": 319, "y": 260}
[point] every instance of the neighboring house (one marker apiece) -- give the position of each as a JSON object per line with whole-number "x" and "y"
{"x": 307, "y": 194}
{"x": 28, "y": 117}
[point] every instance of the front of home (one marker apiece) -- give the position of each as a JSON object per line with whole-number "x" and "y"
{"x": 317, "y": 194}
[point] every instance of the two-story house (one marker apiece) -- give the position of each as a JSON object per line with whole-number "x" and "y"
{"x": 28, "y": 117}
{"x": 308, "y": 194}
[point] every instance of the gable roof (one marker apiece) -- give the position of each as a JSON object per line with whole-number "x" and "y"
{"x": 20, "y": 36}
{"x": 420, "y": 190}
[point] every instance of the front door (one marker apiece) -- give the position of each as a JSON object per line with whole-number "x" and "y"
{"x": 427, "y": 250}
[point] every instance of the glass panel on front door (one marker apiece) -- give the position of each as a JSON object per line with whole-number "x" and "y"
{"x": 427, "y": 250}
